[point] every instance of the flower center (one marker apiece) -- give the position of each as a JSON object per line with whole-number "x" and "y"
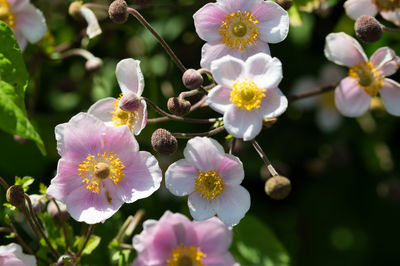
{"x": 186, "y": 256}
{"x": 5, "y": 14}
{"x": 368, "y": 77}
{"x": 239, "y": 30}
{"x": 96, "y": 168}
{"x": 387, "y": 5}
{"x": 121, "y": 117}
{"x": 209, "y": 185}
{"x": 246, "y": 95}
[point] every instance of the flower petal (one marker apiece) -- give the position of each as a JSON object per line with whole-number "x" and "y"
{"x": 227, "y": 70}
{"x": 235, "y": 5}
{"x": 31, "y": 22}
{"x": 264, "y": 70}
{"x": 22, "y": 41}
{"x": 211, "y": 52}
{"x": 233, "y": 204}
{"x": 343, "y": 49}
{"x": 390, "y": 67}
{"x": 231, "y": 170}
{"x": 218, "y": 99}
{"x": 204, "y": 153}
{"x": 357, "y": 8}
{"x": 258, "y": 47}
{"x": 392, "y": 15}
{"x": 59, "y": 132}
{"x": 93, "y": 29}
{"x": 129, "y": 76}
{"x": 207, "y": 21}
{"x": 350, "y": 99}
{"x": 273, "y": 21}
{"x": 382, "y": 56}
{"x": 242, "y": 123}
{"x": 273, "y": 104}
{"x": 200, "y": 208}
{"x": 102, "y": 109}
{"x": 390, "y": 94}
{"x": 141, "y": 118}
{"x": 180, "y": 176}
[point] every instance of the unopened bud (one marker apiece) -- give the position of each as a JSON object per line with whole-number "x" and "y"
{"x": 37, "y": 202}
{"x": 192, "y": 79}
{"x": 163, "y": 142}
{"x": 368, "y": 29}
{"x": 129, "y": 102}
{"x": 75, "y": 9}
{"x": 16, "y": 195}
{"x": 93, "y": 64}
{"x": 61, "y": 215}
{"x": 285, "y": 4}
{"x": 278, "y": 187}
{"x": 117, "y": 11}
{"x": 178, "y": 106}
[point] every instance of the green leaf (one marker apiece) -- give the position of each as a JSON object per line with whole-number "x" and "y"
{"x": 42, "y": 188}
{"x": 10, "y": 206}
{"x": 13, "y": 82}
{"x": 24, "y": 182}
{"x": 93, "y": 242}
{"x": 255, "y": 244}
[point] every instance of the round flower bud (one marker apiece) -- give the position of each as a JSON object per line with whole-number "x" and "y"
{"x": 37, "y": 202}
{"x": 368, "y": 29}
{"x": 178, "y": 106}
{"x": 117, "y": 11}
{"x": 129, "y": 102}
{"x": 93, "y": 64}
{"x": 53, "y": 211}
{"x": 278, "y": 187}
{"x": 163, "y": 142}
{"x": 192, "y": 79}
{"x": 285, "y": 4}
{"x": 75, "y": 9}
{"x": 16, "y": 195}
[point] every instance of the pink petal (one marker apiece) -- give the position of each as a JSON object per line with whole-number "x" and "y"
{"x": 231, "y": 170}
{"x": 350, "y": 99}
{"x": 227, "y": 70}
{"x": 200, "y": 208}
{"x": 102, "y": 109}
{"x": 129, "y": 76}
{"x": 390, "y": 94}
{"x": 207, "y": 21}
{"x": 218, "y": 99}
{"x": 31, "y": 22}
{"x": 59, "y": 132}
{"x": 19, "y": 36}
{"x": 242, "y": 123}
{"x": 233, "y": 204}
{"x": 264, "y": 70}
{"x": 211, "y": 52}
{"x": 142, "y": 118}
{"x": 273, "y": 21}
{"x": 390, "y": 67}
{"x": 179, "y": 178}
{"x": 273, "y": 104}
{"x": 258, "y": 47}
{"x": 93, "y": 29}
{"x": 357, "y": 8}
{"x": 343, "y": 49}
{"x": 393, "y": 16}
{"x": 382, "y": 56}
{"x": 204, "y": 153}
{"x": 235, "y": 5}
{"x": 17, "y": 5}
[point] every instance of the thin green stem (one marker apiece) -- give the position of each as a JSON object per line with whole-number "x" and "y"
{"x": 62, "y": 225}
{"x": 306, "y": 94}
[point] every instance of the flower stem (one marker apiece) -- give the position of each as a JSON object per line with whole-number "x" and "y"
{"x": 62, "y": 225}
{"x": 129, "y": 225}
{"x": 4, "y": 183}
{"x": 232, "y": 145}
{"x": 263, "y": 156}
{"x": 89, "y": 233}
{"x": 310, "y": 93}
{"x": 203, "y": 134}
{"x": 389, "y": 29}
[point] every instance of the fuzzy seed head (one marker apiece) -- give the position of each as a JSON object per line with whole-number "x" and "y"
{"x": 278, "y": 187}
{"x": 178, "y": 106}
{"x": 368, "y": 29}
{"x": 163, "y": 142}
{"x": 16, "y": 195}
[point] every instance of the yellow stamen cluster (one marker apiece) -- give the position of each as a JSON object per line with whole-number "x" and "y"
{"x": 368, "y": 77}
{"x": 387, "y": 5}
{"x": 102, "y": 166}
{"x": 5, "y": 13}
{"x": 121, "y": 117}
{"x": 209, "y": 184}
{"x": 186, "y": 256}
{"x": 246, "y": 95}
{"x": 239, "y": 30}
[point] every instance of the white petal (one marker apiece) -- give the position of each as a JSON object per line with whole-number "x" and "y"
{"x": 390, "y": 94}
{"x": 357, "y": 8}
{"x": 204, "y": 153}
{"x": 200, "y": 208}
{"x": 343, "y": 49}
{"x": 258, "y": 47}
{"x": 227, "y": 70}
{"x": 22, "y": 41}
{"x": 207, "y": 21}
{"x": 218, "y": 99}
{"x": 31, "y": 22}
{"x": 392, "y": 15}
{"x": 102, "y": 109}
{"x": 211, "y": 52}
{"x": 382, "y": 56}
{"x": 242, "y": 123}
{"x": 59, "y": 131}
{"x": 93, "y": 29}
{"x": 231, "y": 170}
{"x": 129, "y": 76}
{"x": 233, "y": 204}
{"x": 179, "y": 178}
{"x": 264, "y": 70}
{"x": 273, "y": 104}
{"x": 141, "y": 118}
{"x": 235, "y": 5}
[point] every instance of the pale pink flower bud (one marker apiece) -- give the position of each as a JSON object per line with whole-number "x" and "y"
{"x": 192, "y": 79}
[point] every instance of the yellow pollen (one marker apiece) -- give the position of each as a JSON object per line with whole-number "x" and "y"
{"x": 209, "y": 184}
{"x": 239, "y": 30}
{"x": 186, "y": 256}
{"x": 95, "y": 169}
{"x": 246, "y": 95}
{"x": 370, "y": 79}
{"x": 387, "y": 5}
{"x": 121, "y": 117}
{"x": 5, "y": 13}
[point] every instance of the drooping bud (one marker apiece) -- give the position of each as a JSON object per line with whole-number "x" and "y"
{"x": 192, "y": 79}
{"x": 368, "y": 29}
{"x": 75, "y": 9}
{"x": 93, "y": 64}
{"x": 285, "y": 4}
{"x": 37, "y": 202}
{"x": 178, "y": 106}
{"x": 61, "y": 215}
{"x": 16, "y": 195}
{"x": 129, "y": 102}
{"x": 278, "y": 187}
{"x": 117, "y": 11}
{"x": 163, "y": 142}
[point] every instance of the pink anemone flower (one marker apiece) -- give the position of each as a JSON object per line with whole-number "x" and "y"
{"x": 26, "y": 21}
{"x": 366, "y": 78}
{"x": 175, "y": 240}
{"x": 212, "y": 180}
{"x": 12, "y": 255}
{"x": 100, "y": 168}
{"x": 131, "y": 82}
{"x": 247, "y": 93}
{"x": 239, "y": 28}
{"x": 389, "y": 9}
